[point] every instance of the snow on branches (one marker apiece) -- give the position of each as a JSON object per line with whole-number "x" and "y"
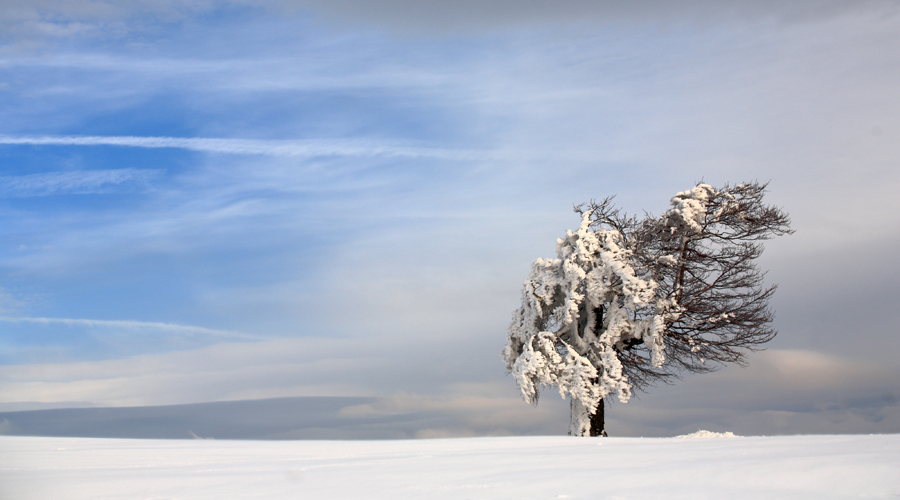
{"x": 620, "y": 305}
{"x": 547, "y": 343}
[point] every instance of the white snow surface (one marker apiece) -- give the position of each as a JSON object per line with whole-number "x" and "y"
{"x": 820, "y": 467}
{"x": 701, "y": 434}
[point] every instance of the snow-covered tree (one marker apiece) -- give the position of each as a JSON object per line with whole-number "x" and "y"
{"x": 631, "y": 301}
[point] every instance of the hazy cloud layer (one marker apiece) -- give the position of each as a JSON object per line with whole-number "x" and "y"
{"x": 54, "y": 18}
{"x": 412, "y": 17}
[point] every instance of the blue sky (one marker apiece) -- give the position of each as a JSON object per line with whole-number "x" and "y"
{"x": 224, "y": 200}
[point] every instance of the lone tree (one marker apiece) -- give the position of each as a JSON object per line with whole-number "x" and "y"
{"x": 631, "y": 301}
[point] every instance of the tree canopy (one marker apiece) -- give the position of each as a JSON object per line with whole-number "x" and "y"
{"x": 630, "y": 301}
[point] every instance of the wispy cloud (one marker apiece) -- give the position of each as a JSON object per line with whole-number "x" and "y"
{"x": 319, "y": 148}
{"x": 75, "y": 182}
{"x": 171, "y": 328}
{"x": 302, "y": 148}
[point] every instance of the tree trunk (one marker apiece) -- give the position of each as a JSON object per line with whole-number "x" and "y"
{"x": 583, "y": 422}
{"x": 598, "y": 421}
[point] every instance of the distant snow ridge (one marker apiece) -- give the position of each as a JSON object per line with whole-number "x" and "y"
{"x": 706, "y": 435}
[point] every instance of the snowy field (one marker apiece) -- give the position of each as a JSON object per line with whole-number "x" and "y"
{"x": 820, "y": 467}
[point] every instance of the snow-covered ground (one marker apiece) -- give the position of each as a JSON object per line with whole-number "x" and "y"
{"x": 817, "y": 467}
